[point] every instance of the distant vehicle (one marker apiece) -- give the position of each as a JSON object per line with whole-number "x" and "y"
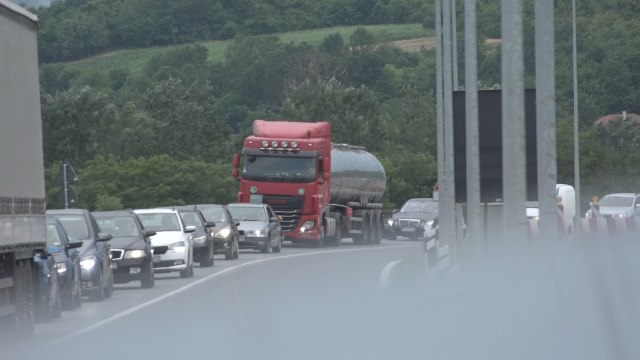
{"x": 131, "y": 250}
{"x": 170, "y": 232}
{"x": 49, "y": 304}
{"x": 67, "y": 263}
{"x": 620, "y": 205}
{"x": 321, "y": 190}
{"x": 416, "y": 218}
{"x": 226, "y": 236}
{"x": 566, "y": 195}
{"x": 95, "y": 259}
{"x": 261, "y": 226}
{"x": 203, "y": 247}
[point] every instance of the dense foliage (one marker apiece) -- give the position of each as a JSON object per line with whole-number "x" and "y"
{"x": 183, "y": 115}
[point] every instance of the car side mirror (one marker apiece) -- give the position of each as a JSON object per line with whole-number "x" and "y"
{"x": 274, "y": 219}
{"x": 237, "y": 223}
{"x": 74, "y": 244}
{"x": 189, "y": 229}
{"x": 210, "y": 224}
{"x": 104, "y": 237}
{"x": 53, "y": 250}
{"x": 394, "y": 211}
{"x": 240, "y": 232}
{"x": 148, "y": 233}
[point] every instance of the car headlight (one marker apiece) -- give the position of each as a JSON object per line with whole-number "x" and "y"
{"x": 176, "y": 244}
{"x": 308, "y": 225}
{"x": 587, "y": 214}
{"x": 260, "y": 233}
{"x": 621, "y": 216}
{"x": 88, "y": 263}
{"x": 429, "y": 223}
{"x": 61, "y": 267}
{"x": 224, "y": 232}
{"x": 199, "y": 240}
{"x": 134, "y": 254}
{"x": 390, "y": 222}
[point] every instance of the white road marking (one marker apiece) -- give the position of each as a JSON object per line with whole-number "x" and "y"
{"x": 204, "y": 279}
{"x": 386, "y": 273}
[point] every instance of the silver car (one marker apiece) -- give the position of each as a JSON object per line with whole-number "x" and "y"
{"x": 170, "y": 232}
{"x": 261, "y": 226}
{"x": 620, "y": 205}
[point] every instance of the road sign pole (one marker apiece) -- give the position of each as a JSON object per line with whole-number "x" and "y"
{"x": 576, "y": 139}
{"x": 440, "y": 117}
{"x": 66, "y": 190}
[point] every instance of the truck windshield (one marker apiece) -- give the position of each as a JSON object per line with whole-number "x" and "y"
{"x": 277, "y": 168}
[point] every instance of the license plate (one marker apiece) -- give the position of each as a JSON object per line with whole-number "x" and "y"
{"x": 156, "y": 258}
{"x": 408, "y": 229}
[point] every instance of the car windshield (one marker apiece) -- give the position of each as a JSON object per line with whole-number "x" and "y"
{"x": 53, "y": 236}
{"x": 75, "y": 226}
{"x": 273, "y": 168}
{"x": 248, "y": 213}
{"x": 160, "y": 221}
{"x": 118, "y": 226}
{"x": 216, "y": 214}
{"x": 618, "y": 201}
{"x": 420, "y": 206}
{"x": 190, "y": 218}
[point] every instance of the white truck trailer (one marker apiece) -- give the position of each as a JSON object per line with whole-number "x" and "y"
{"x": 22, "y": 192}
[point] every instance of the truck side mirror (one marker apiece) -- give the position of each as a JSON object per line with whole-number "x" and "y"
{"x": 326, "y": 167}
{"x": 236, "y": 163}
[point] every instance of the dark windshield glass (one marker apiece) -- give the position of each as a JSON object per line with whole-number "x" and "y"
{"x": 75, "y": 226}
{"x": 118, "y": 226}
{"x": 160, "y": 221}
{"x": 284, "y": 169}
{"x": 420, "y": 206}
{"x": 622, "y": 201}
{"x": 216, "y": 214}
{"x": 247, "y": 213}
{"x": 190, "y": 218}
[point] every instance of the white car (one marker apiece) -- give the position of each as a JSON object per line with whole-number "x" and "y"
{"x": 170, "y": 232}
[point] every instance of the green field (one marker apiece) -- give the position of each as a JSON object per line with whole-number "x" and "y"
{"x": 135, "y": 59}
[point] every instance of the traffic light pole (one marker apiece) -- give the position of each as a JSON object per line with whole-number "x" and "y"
{"x": 66, "y": 190}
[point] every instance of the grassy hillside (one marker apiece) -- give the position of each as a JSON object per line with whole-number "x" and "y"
{"x": 136, "y": 59}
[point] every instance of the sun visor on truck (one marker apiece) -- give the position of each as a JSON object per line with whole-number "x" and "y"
{"x": 291, "y": 130}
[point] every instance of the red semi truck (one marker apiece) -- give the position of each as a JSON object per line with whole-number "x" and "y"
{"x": 322, "y": 191}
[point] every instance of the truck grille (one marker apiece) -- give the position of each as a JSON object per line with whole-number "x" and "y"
{"x": 289, "y": 207}
{"x": 408, "y": 222}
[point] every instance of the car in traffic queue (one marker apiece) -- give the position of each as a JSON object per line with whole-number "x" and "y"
{"x": 260, "y": 224}
{"x": 172, "y": 233}
{"x": 417, "y": 218}
{"x": 618, "y": 205}
{"x": 47, "y": 300}
{"x": 67, "y": 263}
{"x": 226, "y": 235}
{"x": 131, "y": 250}
{"x": 95, "y": 257}
{"x": 203, "y": 246}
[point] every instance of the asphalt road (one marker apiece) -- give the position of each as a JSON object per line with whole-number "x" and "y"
{"x": 301, "y": 303}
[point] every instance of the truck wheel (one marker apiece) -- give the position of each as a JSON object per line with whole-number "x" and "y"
{"x": 320, "y": 242}
{"x": 379, "y": 229}
{"x": 366, "y": 231}
{"x": 24, "y": 299}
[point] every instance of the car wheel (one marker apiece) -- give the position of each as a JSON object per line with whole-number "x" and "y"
{"x": 68, "y": 296}
{"x": 208, "y": 258}
{"x": 266, "y": 248}
{"x": 236, "y": 250}
{"x": 147, "y": 280}
{"x": 57, "y": 306}
{"x": 77, "y": 285}
{"x": 278, "y": 247}
{"x": 229, "y": 253}
{"x": 184, "y": 273}
{"x": 98, "y": 294}
{"x": 108, "y": 291}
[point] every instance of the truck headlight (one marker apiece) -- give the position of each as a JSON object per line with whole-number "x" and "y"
{"x": 134, "y": 254}
{"x": 61, "y": 268}
{"x": 199, "y": 240}
{"x": 308, "y": 225}
{"x": 224, "y": 232}
{"x": 88, "y": 263}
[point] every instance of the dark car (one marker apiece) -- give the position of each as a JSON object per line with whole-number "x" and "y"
{"x": 203, "y": 247}
{"x": 225, "y": 234}
{"x": 261, "y": 226}
{"x": 95, "y": 259}
{"x": 417, "y": 218}
{"x": 131, "y": 250}
{"x": 67, "y": 263}
{"x": 48, "y": 304}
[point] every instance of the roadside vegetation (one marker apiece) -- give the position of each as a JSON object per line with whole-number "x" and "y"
{"x": 134, "y": 113}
